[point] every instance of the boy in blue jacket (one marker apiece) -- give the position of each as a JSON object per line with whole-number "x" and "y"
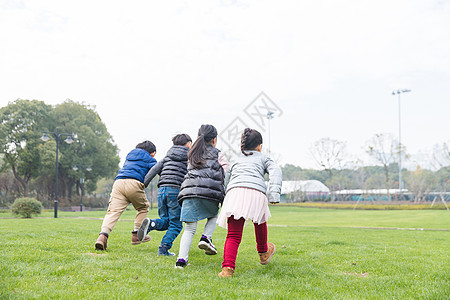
{"x": 128, "y": 188}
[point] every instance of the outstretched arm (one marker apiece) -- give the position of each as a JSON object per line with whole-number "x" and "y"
{"x": 156, "y": 169}
{"x": 223, "y": 161}
{"x": 275, "y": 180}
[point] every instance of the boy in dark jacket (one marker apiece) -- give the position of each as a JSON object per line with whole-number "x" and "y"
{"x": 171, "y": 170}
{"x": 128, "y": 188}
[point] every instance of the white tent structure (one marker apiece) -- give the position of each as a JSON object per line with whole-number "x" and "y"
{"x": 300, "y": 190}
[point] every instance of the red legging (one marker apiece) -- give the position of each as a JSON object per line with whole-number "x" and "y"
{"x": 234, "y": 237}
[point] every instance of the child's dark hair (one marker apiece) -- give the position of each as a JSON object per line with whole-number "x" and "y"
{"x": 250, "y": 139}
{"x": 206, "y": 134}
{"x": 147, "y": 146}
{"x": 181, "y": 139}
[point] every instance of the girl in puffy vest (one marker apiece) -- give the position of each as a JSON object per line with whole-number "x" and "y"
{"x": 201, "y": 192}
{"x": 247, "y": 199}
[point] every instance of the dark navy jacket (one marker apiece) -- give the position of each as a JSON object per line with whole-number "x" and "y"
{"x": 171, "y": 168}
{"x": 137, "y": 164}
{"x": 205, "y": 182}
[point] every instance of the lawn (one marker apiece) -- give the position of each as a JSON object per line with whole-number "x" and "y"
{"x": 321, "y": 254}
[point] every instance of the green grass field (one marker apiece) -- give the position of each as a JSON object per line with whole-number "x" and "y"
{"x": 321, "y": 254}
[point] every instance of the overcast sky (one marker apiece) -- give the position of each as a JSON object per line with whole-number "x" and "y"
{"x": 156, "y": 68}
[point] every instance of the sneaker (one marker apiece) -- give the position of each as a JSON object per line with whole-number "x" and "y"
{"x": 136, "y": 241}
{"x": 207, "y": 245}
{"x": 142, "y": 232}
{"x": 264, "y": 258}
{"x": 164, "y": 251}
{"x": 181, "y": 263}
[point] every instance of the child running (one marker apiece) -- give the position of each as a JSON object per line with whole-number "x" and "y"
{"x": 171, "y": 170}
{"x": 128, "y": 188}
{"x": 246, "y": 199}
{"x": 201, "y": 192}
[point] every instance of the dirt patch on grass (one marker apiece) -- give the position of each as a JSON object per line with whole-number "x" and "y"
{"x": 365, "y": 274}
{"x": 96, "y": 254}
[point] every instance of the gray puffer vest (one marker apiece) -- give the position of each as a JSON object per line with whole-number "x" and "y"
{"x": 205, "y": 182}
{"x": 171, "y": 169}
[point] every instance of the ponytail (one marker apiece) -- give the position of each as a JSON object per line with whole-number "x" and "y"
{"x": 206, "y": 134}
{"x": 244, "y": 138}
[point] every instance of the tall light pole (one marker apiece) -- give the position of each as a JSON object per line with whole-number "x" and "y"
{"x": 400, "y": 182}
{"x": 88, "y": 168}
{"x": 270, "y": 116}
{"x": 69, "y": 141}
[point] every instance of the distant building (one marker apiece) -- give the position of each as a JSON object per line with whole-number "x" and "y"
{"x": 304, "y": 190}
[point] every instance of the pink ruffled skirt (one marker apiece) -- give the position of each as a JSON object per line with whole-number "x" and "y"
{"x": 244, "y": 203}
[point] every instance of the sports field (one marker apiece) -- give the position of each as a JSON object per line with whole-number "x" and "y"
{"x": 321, "y": 254}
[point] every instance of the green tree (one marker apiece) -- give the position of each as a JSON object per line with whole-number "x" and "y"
{"x": 291, "y": 172}
{"x": 443, "y": 179}
{"x": 21, "y": 123}
{"x": 8, "y": 188}
{"x": 93, "y": 146}
{"x": 420, "y": 182}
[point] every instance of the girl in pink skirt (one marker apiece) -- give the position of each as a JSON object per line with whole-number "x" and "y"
{"x": 246, "y": 198}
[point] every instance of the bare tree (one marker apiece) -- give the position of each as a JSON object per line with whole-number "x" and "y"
{"x": 330, "y": 155}
{"x": 360, "y": 175}
{"x": 441, "y": 156}
{"x": 441, "y": 162}
{"x": 384, "y": 149}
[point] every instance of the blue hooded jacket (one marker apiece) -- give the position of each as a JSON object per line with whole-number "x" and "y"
{"x": 136, "y": 166}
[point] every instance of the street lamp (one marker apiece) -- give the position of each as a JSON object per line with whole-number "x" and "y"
{"x": 69, "y": 141}
{"x": 88, "y": 168}
{"x": 400, "y": 182}
{"x": 270, "y": 116}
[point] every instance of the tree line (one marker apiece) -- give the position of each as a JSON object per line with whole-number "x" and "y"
{"x": 339, "y": 171}
{"x": 28, "y": 164}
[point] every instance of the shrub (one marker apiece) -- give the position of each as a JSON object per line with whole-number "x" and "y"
{"x": 26, "y": 207}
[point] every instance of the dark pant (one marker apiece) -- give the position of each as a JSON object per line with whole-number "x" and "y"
{"x": 169, "y": 215}
{"x": 234, "y": 237}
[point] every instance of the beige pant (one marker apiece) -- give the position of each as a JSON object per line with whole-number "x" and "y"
{"x": 124, "y": 192}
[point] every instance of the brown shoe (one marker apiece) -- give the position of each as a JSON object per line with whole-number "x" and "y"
{"x": 226, "y": 272}
{"x": 102, "y": 241}
{"x": 136, "y": 241}
{"x": 265, "y": 257}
